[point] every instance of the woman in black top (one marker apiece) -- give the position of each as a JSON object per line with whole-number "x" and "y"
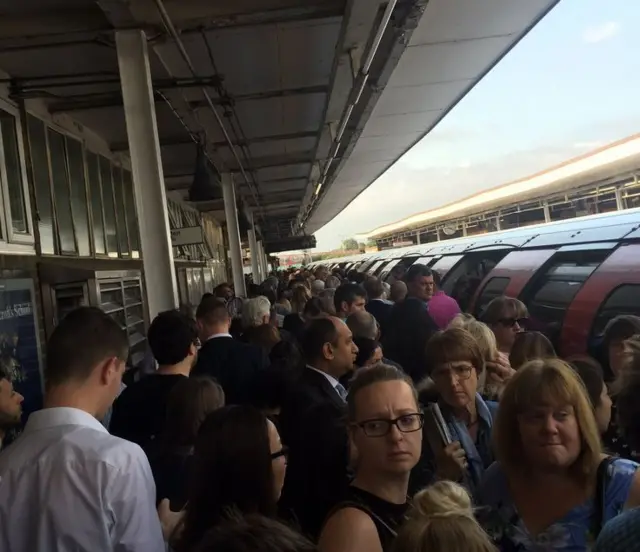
{"x": 239, "y": 466}
{"x": 385, "y": 423}
{"x": 170, "y": 456}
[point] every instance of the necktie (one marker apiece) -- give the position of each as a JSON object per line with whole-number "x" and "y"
{"x": 341, "y": 391}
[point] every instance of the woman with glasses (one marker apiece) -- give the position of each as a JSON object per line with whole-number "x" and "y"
{"x": 506, "y": 317}
{"x": 385, "y": 425}
{"x": 457, "y": 368}
{"x": 239, "y": 465}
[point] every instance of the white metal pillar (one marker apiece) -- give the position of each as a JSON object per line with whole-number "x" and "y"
{"x": 146, "y": 165}
{"x": 262, "y": 261}
{"x": 233, "y": 231}
{"x": 547, "y": 212}
{"x": 253, "y": 245}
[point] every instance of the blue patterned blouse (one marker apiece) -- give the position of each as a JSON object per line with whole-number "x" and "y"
{"x": 500, "y": 518}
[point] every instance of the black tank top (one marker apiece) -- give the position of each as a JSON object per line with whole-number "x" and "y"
{"x": 386, "y": 516}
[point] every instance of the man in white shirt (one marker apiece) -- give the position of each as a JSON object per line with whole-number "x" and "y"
{"x": 66, "y": 484}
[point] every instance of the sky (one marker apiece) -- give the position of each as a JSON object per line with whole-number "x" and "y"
{"x": 570, "y": 86}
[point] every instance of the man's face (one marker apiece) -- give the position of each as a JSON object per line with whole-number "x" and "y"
{"x": 422, "y": 288}
{"x": 358, "y": 305}
{"x": 10, "y": 405}
{"x": 344, "y": 351}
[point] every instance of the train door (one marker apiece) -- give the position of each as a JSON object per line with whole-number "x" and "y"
{"x": 462, "y": 274}
{"x": 509, "y": 276}
{"x": 550, "y": 292}
{"x": 613, "y": 289}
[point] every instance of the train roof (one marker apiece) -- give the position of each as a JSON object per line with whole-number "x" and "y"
{"x": 606, "y": 227}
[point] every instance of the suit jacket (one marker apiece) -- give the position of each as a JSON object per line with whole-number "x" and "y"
{"x": 234, "y": 365}
{"x": 410, "y": 327}
{"x": 381, "y": 310}
{"x": 312, "y": 426}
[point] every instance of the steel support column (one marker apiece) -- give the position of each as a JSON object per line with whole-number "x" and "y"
{"x": 233, "y": 231}
{"x": 253, "y": 245}
{"x": 148, "y": 177}
{"x": 262, "y": 260}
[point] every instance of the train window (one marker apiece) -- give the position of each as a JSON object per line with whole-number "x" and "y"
{"x": 375, "y": 266}
{"x": 462, "y": 274}
{"x": 494, "y": 288}
{"x": 424, "y": 261}
{"x": 552, "y": 292}
{"x": 622, "y": 300}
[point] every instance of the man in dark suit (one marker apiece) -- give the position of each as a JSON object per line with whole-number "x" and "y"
{"x": 410, "y": 326}
{"x": 233, "y": 364}
{"x": 312, "y": 425}
{"x": 377, "y": 304}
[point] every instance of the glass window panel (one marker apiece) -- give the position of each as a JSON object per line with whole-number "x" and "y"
{"x": 123, "y": 240}
{"x": 61, "y": 191}
{"x": 109, "y": 207}
{"x": 130, "y": 207}
{"x": 79, "y": 202}
{"x": 95, "y": 195}
{"x": 40, "y": 169}
{"x": 15, "y": 183}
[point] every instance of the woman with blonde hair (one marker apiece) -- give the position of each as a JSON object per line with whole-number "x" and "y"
{"x": 442, "y": 520}
{"x": 552, "y": 488}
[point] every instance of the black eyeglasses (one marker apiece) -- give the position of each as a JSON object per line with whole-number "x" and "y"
{"x": 284, "y": 451}
{"x": 511, "y": 322}
{"x": 381, "y": 427}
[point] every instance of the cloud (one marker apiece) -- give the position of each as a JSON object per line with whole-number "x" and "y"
{"x": 599, "y": 33}
{"x": 589, "y": 145}
{"x": 403, "y": 192}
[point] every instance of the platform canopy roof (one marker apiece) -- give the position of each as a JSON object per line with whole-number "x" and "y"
{"x": 307, "y": 102}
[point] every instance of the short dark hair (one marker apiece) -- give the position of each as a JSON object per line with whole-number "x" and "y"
{"x": 314, "y": 337}
{"x": 82, "y": 339}
{"x": 254, "y": 533}
{"x": 370, "y": 376}
{"x": 348, "y": 293}
{"x": 213, "y": 311}
{"x": 621, "y": 327}
{"x": 366, "y": 348}
{"x": 170, "y": 337}
{"x": 417, "y": 271}
{"x": 374, "y": 288}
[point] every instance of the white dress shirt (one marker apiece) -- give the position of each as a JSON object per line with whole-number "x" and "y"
{"x": 67, "y": 485}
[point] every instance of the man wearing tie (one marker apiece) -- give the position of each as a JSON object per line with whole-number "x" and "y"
{"x": 312, "y": 425}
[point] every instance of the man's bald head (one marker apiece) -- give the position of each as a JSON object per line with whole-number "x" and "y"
{"x": 398, "y": 291}
{"x": 363, "y": 324}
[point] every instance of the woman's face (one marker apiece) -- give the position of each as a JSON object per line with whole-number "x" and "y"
{"x": 278, "y": 458}
{"x": 382, "y": 446}
{"x": 603, "y": 410}
{"x": 506, "y": 330}
{"x": 617, "y": 356}
{"x": 456, "y": 382}
{"x": 550, "y": 436}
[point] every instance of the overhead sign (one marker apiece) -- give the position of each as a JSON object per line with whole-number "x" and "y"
{"x": 187, "y": 236}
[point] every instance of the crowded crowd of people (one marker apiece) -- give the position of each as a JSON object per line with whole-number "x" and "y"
{"x": 327, "y": 412}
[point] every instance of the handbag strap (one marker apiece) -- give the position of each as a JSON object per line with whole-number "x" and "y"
{"x": 602, "y": 479}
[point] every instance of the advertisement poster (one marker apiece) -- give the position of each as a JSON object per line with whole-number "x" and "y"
{"x": 19, "y": 345}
